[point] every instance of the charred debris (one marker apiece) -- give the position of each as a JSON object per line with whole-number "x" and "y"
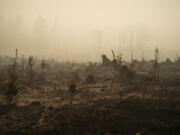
{"x": 30, "y": 71}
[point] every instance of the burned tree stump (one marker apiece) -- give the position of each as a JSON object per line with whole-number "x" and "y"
{"x": 126, "y": 74}
{"x": 106, "y": 60}
{"x": 90, "y": 79}
{"x": 72, "y": 87}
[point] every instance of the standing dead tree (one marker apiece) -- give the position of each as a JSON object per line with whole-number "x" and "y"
{"x": 143, "y": 58}
{"x": 124, "y": 73}
{"x": 23, "y": 65}
{"x": 132, "y": 59}
{"x": 119, "y": 59}
{"x": 114, "y": 59}
{"x": 30, "y": 64}
{"x": 30, "y": 67}
{"x": 156, "y": 64}
{"x": 45, "y": 66}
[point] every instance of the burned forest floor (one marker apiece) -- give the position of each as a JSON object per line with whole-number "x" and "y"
{"x": 44, "y": 105}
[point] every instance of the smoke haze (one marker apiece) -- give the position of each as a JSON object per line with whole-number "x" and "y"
{"x": 82, "y": 30}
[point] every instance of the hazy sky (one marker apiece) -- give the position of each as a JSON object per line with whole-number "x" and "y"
{"x": 84, "y": 29}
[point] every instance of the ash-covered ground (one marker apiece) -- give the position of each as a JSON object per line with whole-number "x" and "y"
{"x": 108, "y": 98}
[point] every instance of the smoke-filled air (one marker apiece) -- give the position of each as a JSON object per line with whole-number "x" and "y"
{"x": 89, "y": 67}
{"x": 82, "y": 30}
